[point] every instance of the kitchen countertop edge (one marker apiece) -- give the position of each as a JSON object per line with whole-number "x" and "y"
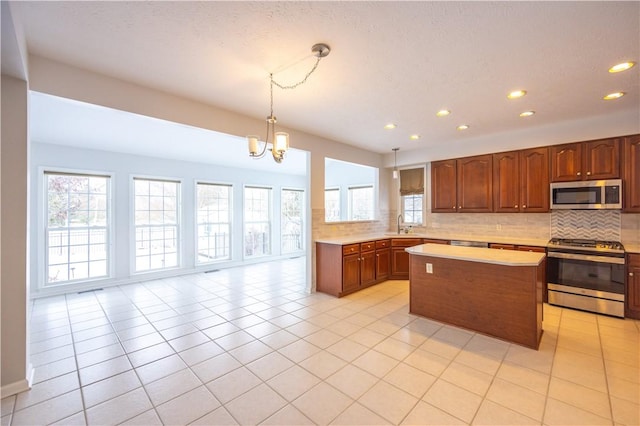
{"x": 481, "y": 255}
{"x": 353, "y": 239}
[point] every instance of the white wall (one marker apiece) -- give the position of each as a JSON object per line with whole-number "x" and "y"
{"x": 123, "y": 167}
{"x": 16, "y": 370}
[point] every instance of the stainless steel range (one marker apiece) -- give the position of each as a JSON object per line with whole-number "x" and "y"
{"x": 587, "y": 275}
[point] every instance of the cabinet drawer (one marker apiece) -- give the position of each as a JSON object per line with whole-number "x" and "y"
{"x": 368, "y": 246}
{"x": 633, "y": 259}
{"x": 406, "y": 242}
{"x": 383, "y": 244}
{"x": 532, "y": 249}
{"x": 351, "y": 248}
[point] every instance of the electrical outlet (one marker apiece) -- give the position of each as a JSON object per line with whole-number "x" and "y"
{"x": 429, "y": 268}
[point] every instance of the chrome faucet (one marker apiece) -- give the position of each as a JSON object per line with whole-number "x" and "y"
{"x": 399, "y": 220}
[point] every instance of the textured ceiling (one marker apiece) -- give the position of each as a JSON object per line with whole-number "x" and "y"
{"x": 394, "y": 62}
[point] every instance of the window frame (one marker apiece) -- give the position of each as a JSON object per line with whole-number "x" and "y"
{"x": 42, "y": 264}
{"x": 350, "y": 202}
{"x": 244, "y": 221}
{"x": 338, "y": 191}
{"x": 302, "y": 220}
{"x": 132, "y": 223}
{"x": 196, "y": 222}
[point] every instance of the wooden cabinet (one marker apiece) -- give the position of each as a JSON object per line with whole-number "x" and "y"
{"x": 400, "y": 258}
{"x": 502, "y": 246}
{"x": 632, "y": 298}
{"x": 521, "y": 181}
{"x": 383, "y": 259}
{"x": 344, "y": 269}
{"x": 631, "y": 174}
{"x": 592, "y": 160}
{"x": 475, "y": 184}
{"x": 443, "y": 186}
{"x": 462, "y": 185}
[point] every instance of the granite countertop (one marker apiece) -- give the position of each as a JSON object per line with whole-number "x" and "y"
{"x": 353, "y": 239}
{"x": 475, "y": 254}
{"x": 631, "y": 248}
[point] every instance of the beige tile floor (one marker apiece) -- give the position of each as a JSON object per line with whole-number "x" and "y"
{"x": 249, "y": 346}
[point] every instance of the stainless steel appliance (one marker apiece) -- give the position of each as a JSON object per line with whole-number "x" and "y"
{"x": 592, "y": 194}
{"x": 587, "y": 275}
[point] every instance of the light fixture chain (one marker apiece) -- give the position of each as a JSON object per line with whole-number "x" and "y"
{"x": 304, "y": 80}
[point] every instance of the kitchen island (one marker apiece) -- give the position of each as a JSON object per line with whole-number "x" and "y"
{"x": 494, "y": 292}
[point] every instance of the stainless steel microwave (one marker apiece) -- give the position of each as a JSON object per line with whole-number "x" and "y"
{"x": 591, "y": 194}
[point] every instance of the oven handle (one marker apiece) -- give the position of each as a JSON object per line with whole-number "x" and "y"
{"x": 601, "y": 259}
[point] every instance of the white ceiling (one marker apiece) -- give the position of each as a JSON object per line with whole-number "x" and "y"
{"x": 390, "y": 61}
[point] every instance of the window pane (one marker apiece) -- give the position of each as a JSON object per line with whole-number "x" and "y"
{"x": 214, "y": 222}
{"x": 77, "y": 234}
{"x": 361, "y": 203}
{"x": 156, "y": 224}
{"x": 332, "y": 205}
{"x": 257, "y": 221}
{"x": 292, "y": 214}
{"x": 412, "y": 208}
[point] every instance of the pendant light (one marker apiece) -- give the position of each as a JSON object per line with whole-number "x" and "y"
{"x": 395, "y": 162}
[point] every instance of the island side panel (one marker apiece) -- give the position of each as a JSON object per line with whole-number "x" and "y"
{"x": 501, "y": 301}
{"x": 329, "y": 268}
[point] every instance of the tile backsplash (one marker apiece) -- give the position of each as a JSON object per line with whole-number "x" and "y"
{"x": 602, "y": 225}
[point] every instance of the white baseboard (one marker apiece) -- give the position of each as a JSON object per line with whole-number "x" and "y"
{"x": 19, "y": 386}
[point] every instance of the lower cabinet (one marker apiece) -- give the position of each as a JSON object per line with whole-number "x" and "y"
{"x": 400, "y": 258}
{"x": 632, "y": 305}
{"x": 344, "y": 269}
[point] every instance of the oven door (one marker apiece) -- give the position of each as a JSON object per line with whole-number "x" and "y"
{"x": 589, "y": 282}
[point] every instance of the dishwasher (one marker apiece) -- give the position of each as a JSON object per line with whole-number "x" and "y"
{"x": 469, "y": 243}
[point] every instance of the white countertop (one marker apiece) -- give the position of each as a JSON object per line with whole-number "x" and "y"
{"x": 353, "y": 239}
{"x": 631, "y": 248}
{"x": 475, "y": 254}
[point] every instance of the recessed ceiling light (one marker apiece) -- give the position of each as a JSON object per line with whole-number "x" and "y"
{"x": 621, "y": 67}
{"x": 463, "y": 127}
{"x": 443, "y": 113}
{"x": 527, "y": 113}
{"x": 516, "y": 94}
{"x": 414, "y": 137}
{"x": 615, "y": 95}
{"x": 390, "y": 126}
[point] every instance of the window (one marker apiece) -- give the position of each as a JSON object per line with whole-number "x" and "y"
{"x": 257, "y": 221}
{"x": 412, "y": 194}
{"x": 332, "y": 205}
{"x": 214, "y": 222}
{"x": 292, "y": 214}
{"x": 77, "y": 230}
{"x": 361, "y": 203}
{"x": 412, "y": 208}
{"x": 156, "y": 224}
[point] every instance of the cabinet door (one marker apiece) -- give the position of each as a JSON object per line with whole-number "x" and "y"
{"x": 367, "y": 268}
{"x": 534, "y": 180}
{"x": 383, "y": 263}
{"x": 602, "y": 159}
{"x": 633, "y": 287}
{"x": 443, "y": 186}
{"x": 502, "y": 246}
{"x": 631, "y": 183}
{"x": 399, "y": 264}
{"x": 566, "y": 162}
{"x": 475, "y": 189}
{"x": 351, "y": 272}
{"x": 533, "y": 249}
{"x": 506, "y": 182}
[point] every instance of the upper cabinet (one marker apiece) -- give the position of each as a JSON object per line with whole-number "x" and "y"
{"x": 599, "y": 159}
{"x": 462, "y": 185}
{"x": 631, "y": 174}
{"x": 521, "y": 181}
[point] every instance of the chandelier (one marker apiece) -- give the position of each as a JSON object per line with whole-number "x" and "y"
{"x": 279, "y": 141}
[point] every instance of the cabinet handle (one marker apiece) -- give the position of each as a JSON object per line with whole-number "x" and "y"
{"x": 515, "y": 207}
{"x": 454, "y": 207}
{"x": 578, "y": 174}
{"x": 630, "y": 274}
{"x": 459, "y": 207}
{"x": 588, "y": 173}
{"x": 377, "y": 255}
{"x": 524, "y": 206}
